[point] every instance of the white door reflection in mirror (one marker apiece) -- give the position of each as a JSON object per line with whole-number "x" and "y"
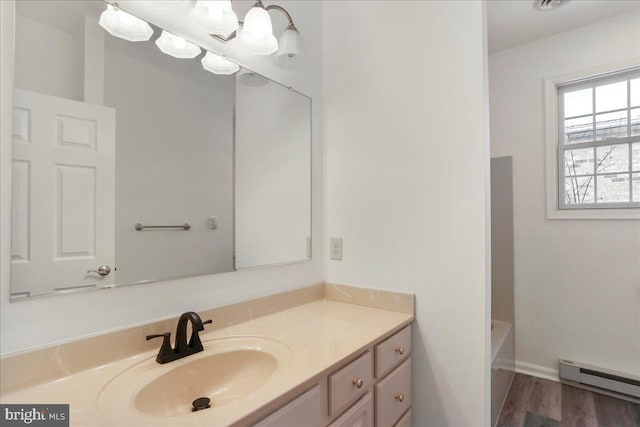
{"x": 63, "y": 193}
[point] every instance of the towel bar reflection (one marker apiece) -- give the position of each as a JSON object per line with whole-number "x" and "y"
{"x": 141, "y": 227}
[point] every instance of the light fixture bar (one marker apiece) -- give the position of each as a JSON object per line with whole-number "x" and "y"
{"x": 225, "y": 39}
{"x": 283, "y": 10}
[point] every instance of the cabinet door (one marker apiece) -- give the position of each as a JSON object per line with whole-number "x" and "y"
{"x": 405, "y": 421}
{"x": 393, "y": 395}
{"x": 348, "y": 384}
{"x": 392, "y": 351}
{"x": 304, "y": 411}
{"x": 360, "y": 414}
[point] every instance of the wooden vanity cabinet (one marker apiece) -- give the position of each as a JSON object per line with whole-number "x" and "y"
{"x": 359, "y": 415}
{"x": 393, "y": 395}
{"x": 372, "y": 389}
{"x": 303, "y": 411}
{"x": 349, "y": 383}
{"x": 405, "y": 421}
{"x": 393, "y": 379}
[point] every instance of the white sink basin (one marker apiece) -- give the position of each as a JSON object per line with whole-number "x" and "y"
{"x": 227, "y": 370}
{"x": 221, "y": 377}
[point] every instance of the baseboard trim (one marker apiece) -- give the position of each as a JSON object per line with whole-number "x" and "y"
{"x": 537, "y": 371}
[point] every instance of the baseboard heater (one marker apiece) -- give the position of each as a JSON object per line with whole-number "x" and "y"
{"x": 600, "y": 380}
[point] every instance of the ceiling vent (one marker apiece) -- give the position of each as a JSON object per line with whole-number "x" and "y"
{"x": 548, "y": 4}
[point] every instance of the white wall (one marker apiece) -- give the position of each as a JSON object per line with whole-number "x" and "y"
{"x": 43, "y": 321}
{"x": 49, "y": 59}
{"x": 174, "y": 164}
{"x": 268, "y": 152}
{"x": 577, "y": 282}
{"x": 407, "y": 182}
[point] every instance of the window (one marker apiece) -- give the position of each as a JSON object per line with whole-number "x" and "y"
{"x": 593, "y": 143}
{"x": 599, "y": 142}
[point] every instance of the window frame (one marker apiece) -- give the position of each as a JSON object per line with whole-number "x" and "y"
{"x": 555, "y": 206}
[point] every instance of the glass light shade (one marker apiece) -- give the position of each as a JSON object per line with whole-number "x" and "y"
{"x": 170, "y": 4}
{"x": 290, "y": 53}
{"x": 217, "y": 64}
{"x": 119, "y": 23}
{"x": 215, "y": 16}
{"x": 177, "y": 46}
{"x": 257, "y": 32}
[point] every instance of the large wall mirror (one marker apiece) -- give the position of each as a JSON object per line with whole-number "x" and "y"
{"x": 132, "y": 166}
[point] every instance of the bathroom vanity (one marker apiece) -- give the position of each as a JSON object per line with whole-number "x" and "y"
{"x": 130, "y": 165}
{"x": 354, "y": 394}
{"x": 325, "y": 355}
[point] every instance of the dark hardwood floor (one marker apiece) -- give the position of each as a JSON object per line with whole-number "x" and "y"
{"x": 534, "y": 402}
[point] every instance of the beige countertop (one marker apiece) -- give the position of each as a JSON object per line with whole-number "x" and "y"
{"x": 310, "y": 339}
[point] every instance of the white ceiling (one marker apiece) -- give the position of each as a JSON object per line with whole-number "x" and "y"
{"x": 515, "y": 22}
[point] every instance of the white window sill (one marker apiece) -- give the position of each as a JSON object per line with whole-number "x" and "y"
{"x": 595, "y": 214}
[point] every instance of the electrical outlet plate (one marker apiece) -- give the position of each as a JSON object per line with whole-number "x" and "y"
{"x": 335, "y": 248}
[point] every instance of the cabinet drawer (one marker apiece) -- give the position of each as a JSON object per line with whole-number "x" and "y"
{"x": 392, "y": 351}
{"x": 303, "y": 411}
{"x": 360, "y": 415}
{"x": 405, "y": 421}
{"x": 393, "y": 395}
{"x": 349, "y": 383}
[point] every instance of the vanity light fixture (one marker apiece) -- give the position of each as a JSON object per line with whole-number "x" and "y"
{"x": 290, "y": 52}
{"x": 171, "y": 4}
{"x": 217, "y": 64}
{"x": 119, "y": 23}
{"x": 215, "y": 16}
{"x": 257, "y": 36}
{"x": 257, "y": 32}
{"x": 177, "y": 46}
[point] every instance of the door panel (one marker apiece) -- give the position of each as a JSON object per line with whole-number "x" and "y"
{"x": 63, "y": 193}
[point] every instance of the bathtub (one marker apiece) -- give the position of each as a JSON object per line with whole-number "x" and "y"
{"x": 502, "y": 365}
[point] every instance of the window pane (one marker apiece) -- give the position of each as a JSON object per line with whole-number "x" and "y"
{"x": 635, "y": 121}
{"x": 578, "y": 190}
{"x": 612, "y": 158}
{"x": 635, "y": 92}
{"x": 611, "y": 97}
{"x": 635, "y": 156}
{"x": 636, "y": 187}
{"x": 578, "y": 103}
{"x": 578, "y": 162}
{"x": 611, "y": 125}
{"x": 613, "y": 188}
{"x": 578, "y": 130}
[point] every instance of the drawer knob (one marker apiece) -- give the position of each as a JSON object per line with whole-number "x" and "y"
{"x": 400, "y": 350}
{"x": 358, "y": 382}
{"x": 400, "y": 397}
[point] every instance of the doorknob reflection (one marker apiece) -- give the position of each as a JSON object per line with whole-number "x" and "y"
{"x": 103, "y": 270}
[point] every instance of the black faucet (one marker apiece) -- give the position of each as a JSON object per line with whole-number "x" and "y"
{"x": 182, "y": 347}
